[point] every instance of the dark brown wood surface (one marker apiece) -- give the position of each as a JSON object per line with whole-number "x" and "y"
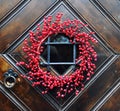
{"x": 17, "y": 17}
{"x": 113, "y": 104}
{"x": 7, "y": 7}
{"x": 24, "y": 91}
{"x": 6, "y": 104}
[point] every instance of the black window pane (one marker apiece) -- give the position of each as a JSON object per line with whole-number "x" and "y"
{"x": 61, "y": 53}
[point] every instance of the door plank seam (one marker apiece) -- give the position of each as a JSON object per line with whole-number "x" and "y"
{"x": 13, "y": 98}
{"x": 106, "y": 66}
{"x": 22, "y": 36}
{"x": 13, "y": 12}
{"x": 92, "y": 28}
{"x": 106, "y": 96}
{"x": 106, "y": 14}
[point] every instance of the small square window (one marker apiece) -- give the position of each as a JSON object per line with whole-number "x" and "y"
{"x": 59, "y": 53}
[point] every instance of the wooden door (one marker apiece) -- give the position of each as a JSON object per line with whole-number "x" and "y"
{"x": 101, "y": 92}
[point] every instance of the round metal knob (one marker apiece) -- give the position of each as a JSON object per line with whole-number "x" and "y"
{"x": 9, "y": 81}
{"x": 10, "y": 78}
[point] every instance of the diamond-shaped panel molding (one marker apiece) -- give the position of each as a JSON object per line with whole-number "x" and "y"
{"x": 104, "y": 55}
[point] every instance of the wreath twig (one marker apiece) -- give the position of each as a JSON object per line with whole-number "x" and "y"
{"x": 33, "y": 49}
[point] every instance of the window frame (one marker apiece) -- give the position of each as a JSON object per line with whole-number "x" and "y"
{"x": 49, "y": 64}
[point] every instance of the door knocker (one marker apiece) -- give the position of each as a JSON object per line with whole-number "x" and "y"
{"x": 10, "y": 78}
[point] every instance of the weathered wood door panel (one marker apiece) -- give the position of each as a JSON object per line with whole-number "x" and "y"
{"x": 101, "y": 93}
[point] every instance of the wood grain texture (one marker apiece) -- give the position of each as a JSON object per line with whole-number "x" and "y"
{"x": 6, "y": 104}
{"x": 6, "y": 6}
{"x": 113, "y": 7}
{"x": 103, "y": 54}
{"x": 113, "y": 104}
{"x": 24, "y": 91}
{"x": 103, "y": 27}
{"x": 4, "y": 66}
{"x": 103, "y": 18}
{"x": 18, "y": 54}
{"x": 96, "y": 90}
{"x": 15, "y": 27}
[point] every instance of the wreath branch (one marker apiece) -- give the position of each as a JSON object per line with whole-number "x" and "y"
{"x": 87, "y": 55}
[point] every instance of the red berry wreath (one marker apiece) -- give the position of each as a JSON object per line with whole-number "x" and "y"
{"x": 33, "y": 49}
